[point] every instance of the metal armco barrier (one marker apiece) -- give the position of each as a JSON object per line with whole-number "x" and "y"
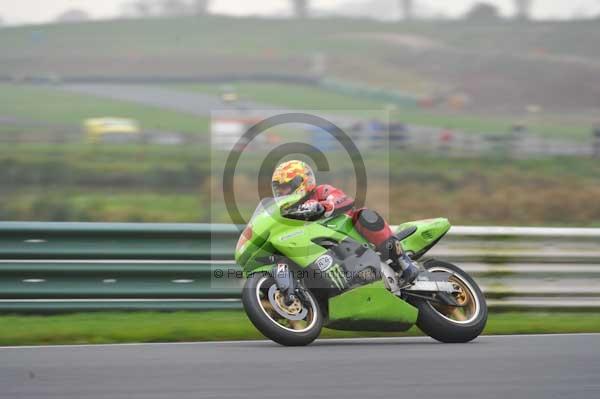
{"x": 50, "y": 267}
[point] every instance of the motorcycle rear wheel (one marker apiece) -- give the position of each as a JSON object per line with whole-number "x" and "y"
{"x": 448, "y": 323}
{"x": 297, "y": 324}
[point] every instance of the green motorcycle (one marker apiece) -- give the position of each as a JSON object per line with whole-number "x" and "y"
{"x": 303, "y": 274}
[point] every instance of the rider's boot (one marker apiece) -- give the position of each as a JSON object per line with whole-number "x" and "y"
{"x": 410, "y": 271}
{"x": 400, "y": 261}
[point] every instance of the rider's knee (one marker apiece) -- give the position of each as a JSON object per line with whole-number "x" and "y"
{"x": 371, "y": 220}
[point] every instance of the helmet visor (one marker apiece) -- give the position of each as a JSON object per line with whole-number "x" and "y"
{"x": 281, "y": 189}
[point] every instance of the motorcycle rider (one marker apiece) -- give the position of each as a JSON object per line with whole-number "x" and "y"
{"x": 297, "y": 177}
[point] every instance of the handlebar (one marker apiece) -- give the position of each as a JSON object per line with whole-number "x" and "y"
{"x": 304, "y": 214}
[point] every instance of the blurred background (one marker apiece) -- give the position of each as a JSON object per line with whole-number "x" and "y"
{"x": 492, "y": 107}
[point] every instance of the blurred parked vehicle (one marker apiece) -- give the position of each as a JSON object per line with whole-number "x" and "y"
{"x": 112, "y": 130}
{"x": 229, "y": 94}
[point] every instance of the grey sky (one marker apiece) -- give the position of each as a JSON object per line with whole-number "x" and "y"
{"x": 27, "y": 11}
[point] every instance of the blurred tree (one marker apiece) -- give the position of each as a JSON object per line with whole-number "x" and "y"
{"x": 141, "y": 8}
{"x": 300, "y": 8}
{"x": 407, "y": 9}
{"x": 174, "y": 8}
{"x": 483, "y": 12}
{"x": 73, "y": 15}
{"x": 138, "y": 9}
{"x": 201, "y": 7}
{"x": 523, "y": 9}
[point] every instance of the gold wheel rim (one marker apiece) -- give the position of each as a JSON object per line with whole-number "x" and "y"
{"x": 468, "y": 304}
{"x": 293, "y": 309}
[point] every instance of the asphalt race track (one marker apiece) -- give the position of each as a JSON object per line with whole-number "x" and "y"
{"x": 552, "y": 366}
{"x": 195, "y": 103}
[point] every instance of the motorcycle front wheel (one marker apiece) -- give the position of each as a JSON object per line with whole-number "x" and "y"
{"x": 295, "y": 324}
{"x": 453, "y": 324}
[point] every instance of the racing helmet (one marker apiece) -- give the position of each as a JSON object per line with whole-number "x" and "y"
{"x": 293, "y": 177}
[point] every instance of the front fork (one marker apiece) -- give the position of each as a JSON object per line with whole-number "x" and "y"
{"x": 285, "y": 281}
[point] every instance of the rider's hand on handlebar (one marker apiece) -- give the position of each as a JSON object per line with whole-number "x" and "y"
{"x": 310, "y": 206}
{"x": 309, "y": 210}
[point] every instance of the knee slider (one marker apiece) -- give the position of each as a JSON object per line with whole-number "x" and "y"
{"x": 371, "y": 220}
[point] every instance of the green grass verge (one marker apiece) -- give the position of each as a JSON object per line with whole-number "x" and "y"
{"x": 121, "y": 327}
{"x": 48, "y": 104}
{"x": 288, "y": 95}
{"x": 134, "y": 183}
{"x": 304, "y": 97}
{"x": 214, "y": 34}
{"x": 110, "y": 205}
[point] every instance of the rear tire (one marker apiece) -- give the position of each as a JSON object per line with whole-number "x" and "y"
{"x": 443, "y": 327}
{"x": 264, "y": 318}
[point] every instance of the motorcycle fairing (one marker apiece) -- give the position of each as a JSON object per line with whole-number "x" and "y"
{"x": 370, "y": 307}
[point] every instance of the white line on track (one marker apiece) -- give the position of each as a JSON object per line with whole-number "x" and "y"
{"x": 322, "y": 340}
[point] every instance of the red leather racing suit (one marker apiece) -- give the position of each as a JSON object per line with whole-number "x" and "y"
{"x": 367, "y": 222}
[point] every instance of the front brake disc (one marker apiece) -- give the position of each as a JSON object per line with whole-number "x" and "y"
{"x": 282, "y": 310}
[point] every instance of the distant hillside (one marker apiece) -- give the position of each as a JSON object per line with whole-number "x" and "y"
{"x": 501, "y": 67}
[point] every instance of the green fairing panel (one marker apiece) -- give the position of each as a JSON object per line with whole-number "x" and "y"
{"x": 297, "y": 243}
{"x": 254, "y": 256}
{"x": 343, "y": 224}
{"x": 271, "y": 232}
{"x": 266, "y": 221}
{"x": 251, "y": 253}
{"x": 428, "y": 232}
{"x": 370, "y": 308}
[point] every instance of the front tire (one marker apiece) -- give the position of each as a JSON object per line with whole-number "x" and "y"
{"x": 453, "y": 324}
{"x": 298, "y": 324}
